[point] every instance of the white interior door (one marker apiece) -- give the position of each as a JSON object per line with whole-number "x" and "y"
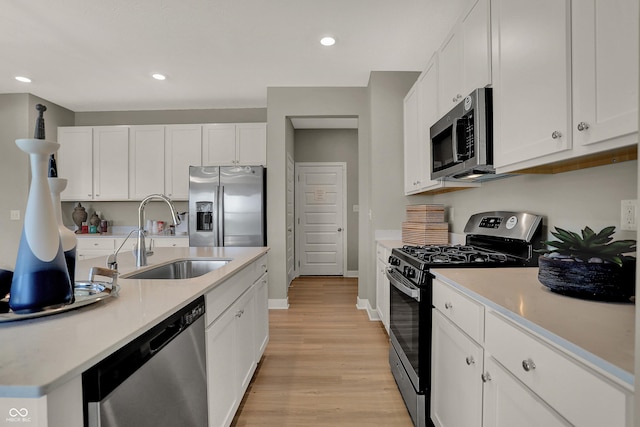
{"x": 290, "y": 220}
{"x": 320, "y": 204}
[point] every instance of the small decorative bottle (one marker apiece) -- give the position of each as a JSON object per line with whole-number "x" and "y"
{"x": 41, "y": 278}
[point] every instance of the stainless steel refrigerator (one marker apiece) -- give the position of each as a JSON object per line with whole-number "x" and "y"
{"x": 227, "y": 206}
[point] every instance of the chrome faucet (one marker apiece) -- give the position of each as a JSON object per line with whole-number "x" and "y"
{"x": 141, "y": 250}
{"x": 112, "y": 260}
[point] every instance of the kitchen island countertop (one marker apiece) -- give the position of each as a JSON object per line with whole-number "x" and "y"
{"x": 600, "y": 333}
{"x": 40, "y": 354}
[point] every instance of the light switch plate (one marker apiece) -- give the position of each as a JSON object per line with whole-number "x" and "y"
{"x": 629, "y": 215}
{"x": 15, "y": 215}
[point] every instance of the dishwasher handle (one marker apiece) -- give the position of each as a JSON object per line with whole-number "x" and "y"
{"x": 163, "y": 338}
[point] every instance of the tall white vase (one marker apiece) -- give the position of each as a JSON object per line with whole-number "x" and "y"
{"x": 68, "y": 237}
{"x": 40, "y": 279}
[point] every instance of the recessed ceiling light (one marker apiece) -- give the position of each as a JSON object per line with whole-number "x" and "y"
{"x": 158, "y": 76}
{"x": 23, "y": 79}
{"x": 327, "y": 41}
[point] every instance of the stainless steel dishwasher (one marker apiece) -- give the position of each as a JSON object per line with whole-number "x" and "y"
{"x": 159, "y": 379}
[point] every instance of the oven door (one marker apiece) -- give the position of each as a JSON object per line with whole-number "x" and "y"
{"x": 404, "y": 324}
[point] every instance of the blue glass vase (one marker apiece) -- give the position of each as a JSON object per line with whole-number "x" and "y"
{"x": 40, "y": 279}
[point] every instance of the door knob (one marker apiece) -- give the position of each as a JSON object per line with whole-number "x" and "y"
{"x": 583, "y": 126}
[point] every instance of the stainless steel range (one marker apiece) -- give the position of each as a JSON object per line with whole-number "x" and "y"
{"x": 493, "y": 239}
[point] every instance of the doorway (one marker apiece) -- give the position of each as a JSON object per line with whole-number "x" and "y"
{"x": 320, "y": 194}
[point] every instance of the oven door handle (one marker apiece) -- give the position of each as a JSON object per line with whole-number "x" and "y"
{"x": 396, "y": 280}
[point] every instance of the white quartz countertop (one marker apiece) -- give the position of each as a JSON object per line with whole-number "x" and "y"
{"x": 600, "y": 333}
{"x": 40, "y": 354}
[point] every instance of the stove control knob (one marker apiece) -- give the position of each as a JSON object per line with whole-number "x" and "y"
{"x": 394, "y": 261}
{"x": 409, "y": 272}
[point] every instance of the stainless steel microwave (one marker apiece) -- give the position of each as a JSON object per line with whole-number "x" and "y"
{"x": 462, "y": 140}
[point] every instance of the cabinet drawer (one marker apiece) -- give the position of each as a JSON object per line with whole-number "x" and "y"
{"x": 96, "y": 243}
{"x": 579, "y": 394}
{"x": 467, "y": 314}
{"x": 171, "y": 242}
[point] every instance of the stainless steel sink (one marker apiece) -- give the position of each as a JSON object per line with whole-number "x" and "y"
{"x": 180, "y": 269}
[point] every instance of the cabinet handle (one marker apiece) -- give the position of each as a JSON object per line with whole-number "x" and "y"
{"x": 556, "y": 134}
{"x": 454, "y": 99}
{"x": 485, "y": 377}
{"x": 448, "y": 305}
{"x": 528, "y": 365}
{"x": 239, "y": 313}
{"x": 583, "y": 126}
{"x": 470, "y": 360}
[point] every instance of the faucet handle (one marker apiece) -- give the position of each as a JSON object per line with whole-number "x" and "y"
{"x": 112, "y": 262}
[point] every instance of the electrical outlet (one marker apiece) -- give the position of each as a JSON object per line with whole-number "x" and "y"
{"x": 15, "y": 215}
{"x": 628, "y": 215}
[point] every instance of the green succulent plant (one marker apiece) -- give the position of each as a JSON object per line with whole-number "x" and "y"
{"x": 589, "y": 245}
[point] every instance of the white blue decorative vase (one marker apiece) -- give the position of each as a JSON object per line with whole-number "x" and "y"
{"x": 68, "y": 237}
{"x": 41, "y": 278}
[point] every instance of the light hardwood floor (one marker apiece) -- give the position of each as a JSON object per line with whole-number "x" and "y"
{"x": 326, "y": 364}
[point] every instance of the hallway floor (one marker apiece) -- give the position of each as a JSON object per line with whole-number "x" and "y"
{"x": 326, "y": 364}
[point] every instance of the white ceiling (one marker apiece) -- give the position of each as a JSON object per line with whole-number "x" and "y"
{"x": 98, "y": 55}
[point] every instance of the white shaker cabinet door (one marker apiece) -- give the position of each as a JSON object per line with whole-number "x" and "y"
{"x": 508, "y": 403}
{"x": 412, "y": 151}
{"x": 75, "y": 162}
{"x": 531, "y": 65}
{"x": 450, "y": 71}
{"x": 251, "y": 139}
{"x": 605, "y": 71}
{"x": 456, "y": 369}
{"x": 146, "y": 158}
{"x": 111, "y": 163}
{"x": 219, "y": 145}
{"x": 183, "y": 148}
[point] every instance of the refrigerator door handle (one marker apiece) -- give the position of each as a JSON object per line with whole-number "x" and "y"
{"x": 221, "y": 215}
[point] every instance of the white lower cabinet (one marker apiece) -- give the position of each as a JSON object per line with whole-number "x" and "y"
{"x": 508, "y": 403}
{"x": 235, "y": 339}
{"x": 93, "y": 247}
{"x": 457, "y": 362}
{"x": 222, "y": 388}
{"x": 501, "y": 374}
{"x": 382, "y": 286}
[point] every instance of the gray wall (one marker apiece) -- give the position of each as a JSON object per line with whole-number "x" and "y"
{"x": 571, "y": 200}
{"x": 154, "y": 117}
{"x": 17, "y": 120}
{"x": 283, "y": 103}
{"x": 335, "y": 145}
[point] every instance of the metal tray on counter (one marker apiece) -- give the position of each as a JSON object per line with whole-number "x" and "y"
{"x": 86, "y": 292}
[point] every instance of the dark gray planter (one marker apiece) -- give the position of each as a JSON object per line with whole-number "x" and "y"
{"x": 602, "y": 282}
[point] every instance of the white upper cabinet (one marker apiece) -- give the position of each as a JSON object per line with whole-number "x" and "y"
{"x": 412, "y": 151}
{"x": 111, "y": 163}
{"x": 565, "y": 82}
{"x": 75, "y": 162}
{"x": 532, "y": 78}
{"x": 183, "y": 148}
{"x": 219, "y": 144}
{"x": 146, "y": 161}
{"x": 234, "y": 144}
{"x": 465, "y": 56}
{"x": 605, "y": 71}
{"x": 95, "y": 162}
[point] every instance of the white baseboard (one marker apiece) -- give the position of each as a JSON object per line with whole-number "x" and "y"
{"x": 363, "y": 304}
{"x": 279, "y": 304}
{"x": 351, "y": 273}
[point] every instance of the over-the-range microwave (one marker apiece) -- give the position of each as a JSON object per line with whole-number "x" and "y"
{"x": 462, "y": 140}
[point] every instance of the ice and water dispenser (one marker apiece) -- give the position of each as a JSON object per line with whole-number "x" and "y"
{"x": 204, "y": 216}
